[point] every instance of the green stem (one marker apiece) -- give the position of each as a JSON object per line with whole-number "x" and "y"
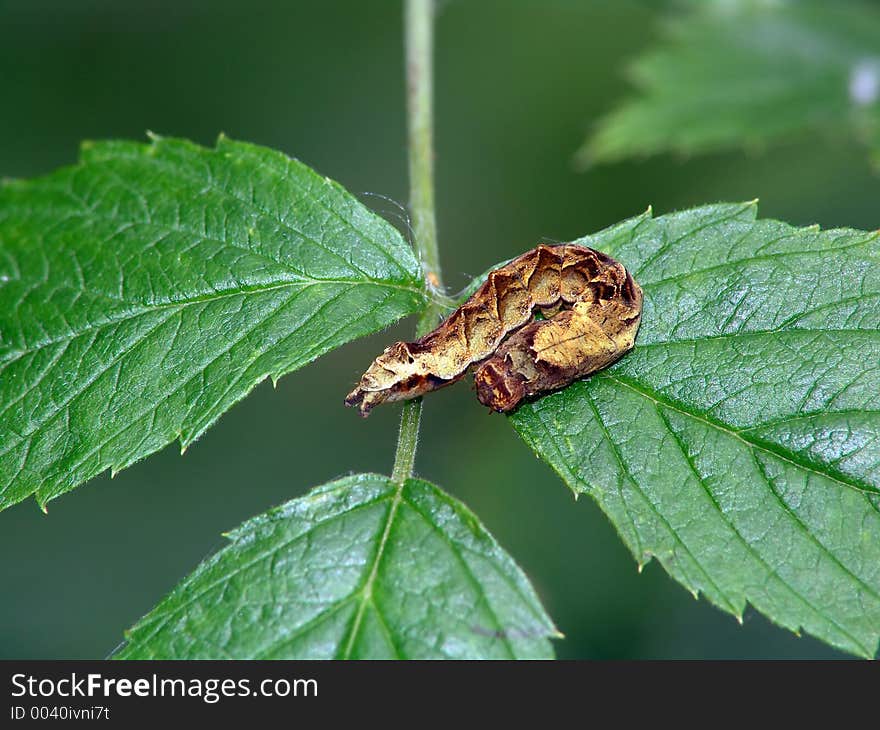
{"x": 419, "y": 85}
{"x": 418, "y": 32}
{"x": 407, "y": 441}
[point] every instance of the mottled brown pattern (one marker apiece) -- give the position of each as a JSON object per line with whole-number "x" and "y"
{"x": 592, "y": 308}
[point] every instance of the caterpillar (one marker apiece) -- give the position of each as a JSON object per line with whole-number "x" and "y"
{"x": 591, "y": 308}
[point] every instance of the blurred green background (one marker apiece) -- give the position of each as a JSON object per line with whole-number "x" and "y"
{"x": 518, "y": 85}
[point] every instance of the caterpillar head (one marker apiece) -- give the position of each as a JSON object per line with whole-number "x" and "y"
{"x": 397, "y": 374}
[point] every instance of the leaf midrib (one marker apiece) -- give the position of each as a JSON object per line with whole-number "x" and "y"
{"x": 185, "y": 439}
{"x": 365, "y": 592}
{"x": 659, "y": 406}
{"x": 59, "y": 216}
{"x": 787, "y": 456}
{"x": 776, "y": 332}
{"x": 676, "y": 278}
{"x": 152, "y": 407}
{"x": 131, "y": 315}
{"x": 163, "y": 620}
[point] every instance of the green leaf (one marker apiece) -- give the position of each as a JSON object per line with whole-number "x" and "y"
{"x": 361, "y": 568}
{"x": 746, "y": 74}
{"x": 147, "y": 289}
{"x": 739, "y": 442}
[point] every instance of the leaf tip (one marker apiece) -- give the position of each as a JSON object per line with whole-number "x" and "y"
{"x": 86, "y": 147}
{"x": 184, "y": 442}
{"x": 642, "y": 560}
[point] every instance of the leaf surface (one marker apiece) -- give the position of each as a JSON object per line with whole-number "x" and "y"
{"x": 360, "y": 568}
{"x": 148, "y": 288}
{"x": 739, "y": 442}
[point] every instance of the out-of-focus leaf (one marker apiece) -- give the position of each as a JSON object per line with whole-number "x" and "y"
{"x": 747, "y": 74}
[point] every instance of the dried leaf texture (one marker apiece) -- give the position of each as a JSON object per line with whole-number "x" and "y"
{"x": 592, "y": 306}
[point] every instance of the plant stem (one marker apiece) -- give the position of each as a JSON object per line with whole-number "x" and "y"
{"x": 419, "y": 36}
{"x": 419, "y": 84}
{"x": 407, "y": 440}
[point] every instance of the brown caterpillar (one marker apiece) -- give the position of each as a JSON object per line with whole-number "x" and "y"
{"x": 592, "y": 308}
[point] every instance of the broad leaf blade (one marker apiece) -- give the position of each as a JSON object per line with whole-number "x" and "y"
{"x": 360, "y": 568}
{"x": 746, "y": 74}
{"x": 739, "y": 442}
{"x": 148, "y": 288}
